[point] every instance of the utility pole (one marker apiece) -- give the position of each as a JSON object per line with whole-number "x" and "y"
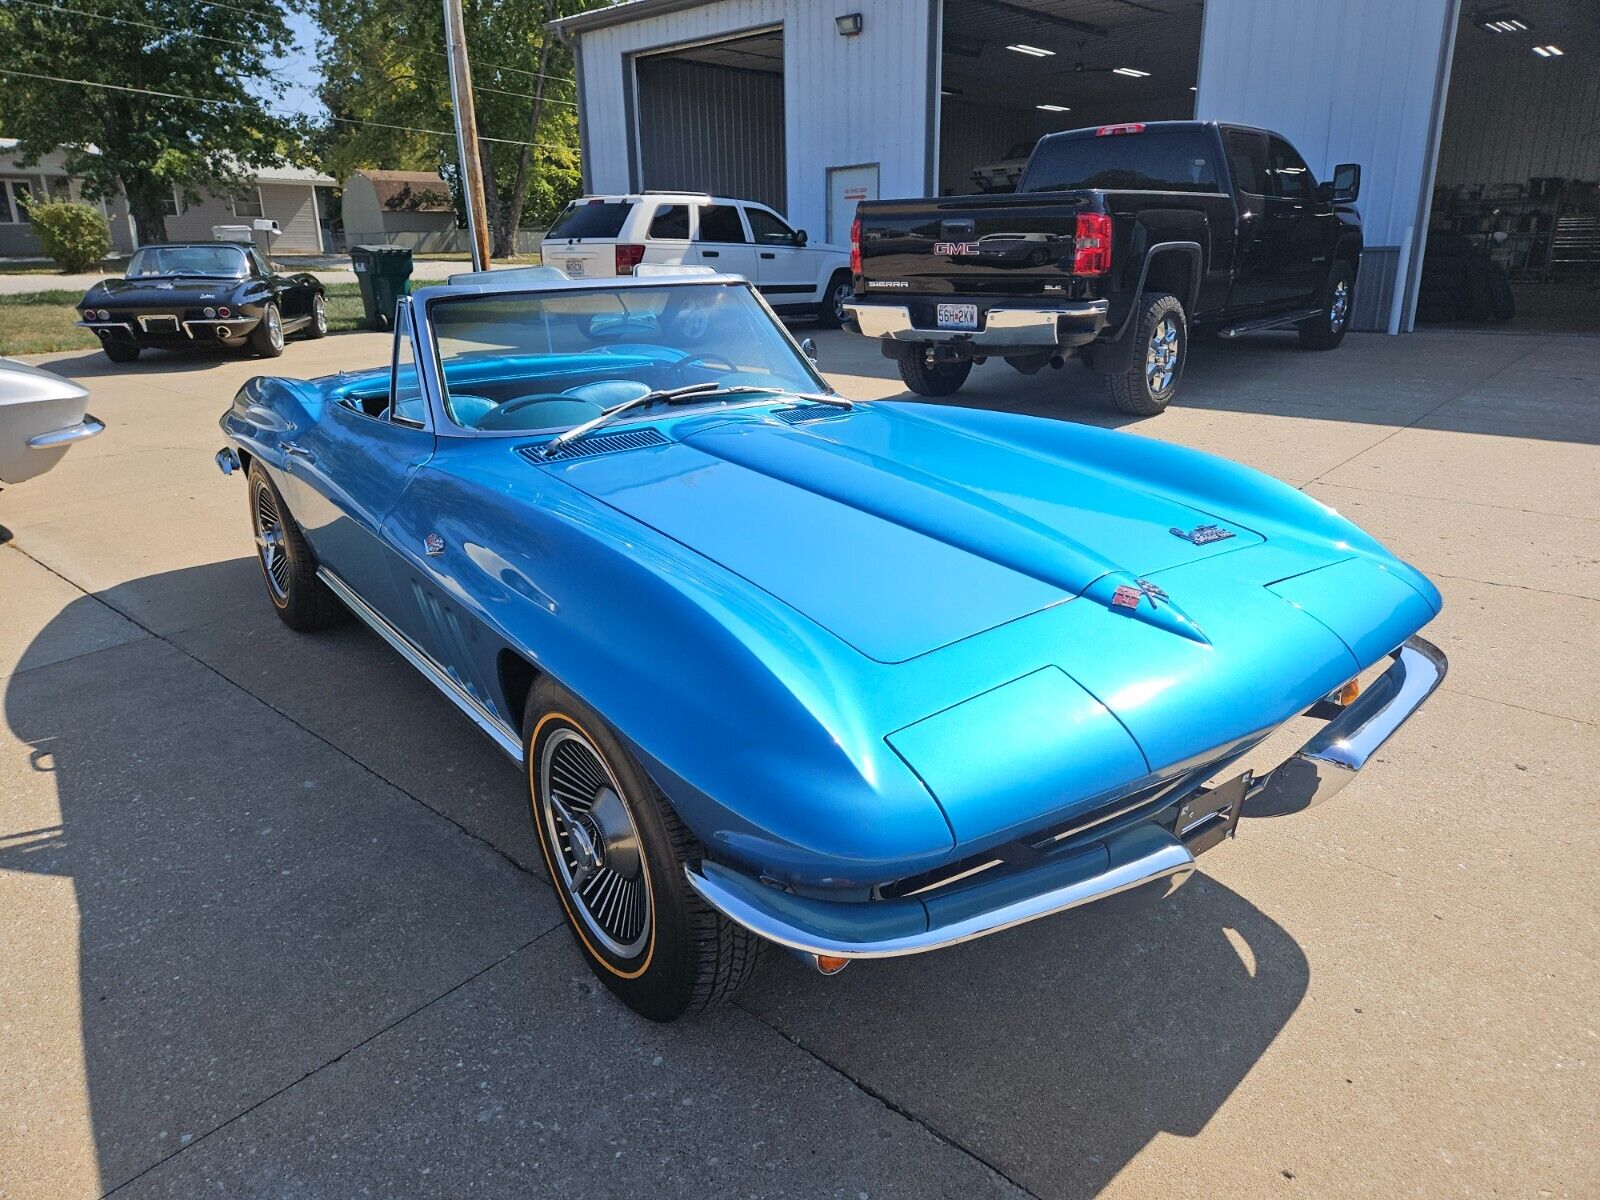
{"x": 466, "y": 134}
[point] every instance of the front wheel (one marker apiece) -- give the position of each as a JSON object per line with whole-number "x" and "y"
{"x": 1160, "y": 348}
{"x": 616, "y": 851}
{"x": 266, "y": 339}
{"x": 288, "y": 568}
{"x": 318, "y": 327}
{"x": 831, "y": 312}
{"x": 932, "y": 378}
{"x": 1326, "y": 330}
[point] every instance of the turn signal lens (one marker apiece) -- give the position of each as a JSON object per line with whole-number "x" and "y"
{"x": 1346, "y": 695}
{"x": 828, "y": 964}
{"x": 1092, "y": 247}
{"x": 855, "y": 246}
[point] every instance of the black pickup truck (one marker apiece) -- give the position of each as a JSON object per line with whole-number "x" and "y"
{"x": 1119, "y": 243}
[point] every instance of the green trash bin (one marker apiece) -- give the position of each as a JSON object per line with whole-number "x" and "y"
{"x": 384, "y": 273}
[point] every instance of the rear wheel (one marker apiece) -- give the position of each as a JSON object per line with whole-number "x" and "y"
{"x": 1160, "y": 348}
{"x": 932, "y": 379}
{"x": 119, "y": 351}
{"x": 831, "y": 313}
{"x": 266, "y": 339}
{"x": 1326, "y": 330}
{"x": 288, "y": 567}
{"x": 616, "y": 851}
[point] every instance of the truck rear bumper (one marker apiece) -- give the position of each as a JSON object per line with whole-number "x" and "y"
{"x": 1004, "y": 329}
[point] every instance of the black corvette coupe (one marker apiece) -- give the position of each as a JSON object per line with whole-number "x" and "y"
{"x": 202, "y": 293}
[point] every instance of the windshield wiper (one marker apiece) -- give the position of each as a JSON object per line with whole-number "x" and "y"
{"x": 672, "y": 396}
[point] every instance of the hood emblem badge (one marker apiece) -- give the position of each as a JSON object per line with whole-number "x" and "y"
{"x": 433, "y": 545}
{"x": 1129, "y": 597}
{"x": 1203, "y": 535}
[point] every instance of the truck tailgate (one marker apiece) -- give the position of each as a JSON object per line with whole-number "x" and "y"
{"x": 1009, "y": 245}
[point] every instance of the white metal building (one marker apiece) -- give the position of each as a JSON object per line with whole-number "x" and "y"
{"x": 810, "y": 106}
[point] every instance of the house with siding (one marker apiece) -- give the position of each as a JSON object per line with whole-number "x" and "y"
{"x": 297, "y": 198}
{"x": 401, "y": 208}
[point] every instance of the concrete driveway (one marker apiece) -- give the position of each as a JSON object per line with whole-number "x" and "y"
{"x": 270, "y": 922}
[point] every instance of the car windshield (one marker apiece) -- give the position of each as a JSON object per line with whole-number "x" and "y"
{"x": 524, "y": 361}
{"x": 223, "y": 260}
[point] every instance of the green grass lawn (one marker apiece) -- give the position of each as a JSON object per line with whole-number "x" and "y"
{"x": 43, "y": 322}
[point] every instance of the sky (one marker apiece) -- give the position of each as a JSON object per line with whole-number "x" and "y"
{"x": 300, "y": 69}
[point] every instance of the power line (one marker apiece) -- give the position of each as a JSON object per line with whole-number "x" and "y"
{"x": 116, "y": 87}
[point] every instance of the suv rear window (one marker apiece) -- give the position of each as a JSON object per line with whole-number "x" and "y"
{"x": 591, "y": 219}
{"x": 1156, "y": 160}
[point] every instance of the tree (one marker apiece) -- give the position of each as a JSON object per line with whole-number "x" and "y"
{"x": 212, "y": 62}
{"x": 384, "y": 66}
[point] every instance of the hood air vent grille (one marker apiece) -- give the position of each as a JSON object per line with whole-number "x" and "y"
{"x": 802, "y": 413}
{"x": 600, "y": 443}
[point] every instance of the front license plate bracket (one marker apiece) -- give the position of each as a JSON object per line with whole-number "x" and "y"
{"x": 1208, "y": 817}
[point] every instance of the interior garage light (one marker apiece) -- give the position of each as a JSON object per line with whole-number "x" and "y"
{"x": 1033, "y": 50}
{"x": 1500, "y": 20}
{"x": 1052, "y": 108}
{"x": 848, "y": 25}
{"x": 1131, "y": 72}
{"x": 1549, "y": 51}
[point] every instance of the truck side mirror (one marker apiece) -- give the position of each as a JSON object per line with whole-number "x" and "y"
{"x": 1346, "y": 183}
{"x": 800, "y": 238}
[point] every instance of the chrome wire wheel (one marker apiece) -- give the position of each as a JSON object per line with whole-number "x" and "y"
{"x": 1339, "y": 306}
{"x": 270, "y": 544}
{"x": 319, "y": 314}
{"x": 1161, "y": 356}
{"x": 599, "y": 859}
{"x": 274, "y": 325}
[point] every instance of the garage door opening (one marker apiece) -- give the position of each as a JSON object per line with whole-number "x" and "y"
{"x": 1514, "y": 230}
{"x": 709, "y": 118}
{"x": 1015, "y": 70}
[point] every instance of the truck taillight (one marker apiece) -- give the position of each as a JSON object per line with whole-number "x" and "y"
{"x": 629, "y": 256}
{"x": 855, "y": 246}
{"x": 1091, "y": 254}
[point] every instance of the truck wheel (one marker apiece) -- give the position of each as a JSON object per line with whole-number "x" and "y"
{"x": 1160, "y": 347}
{"x": 831, "y": 313}
{"x": 932, "y": 379}
{"x": 616, "y": 851}
{"x": 1326, "y": 330}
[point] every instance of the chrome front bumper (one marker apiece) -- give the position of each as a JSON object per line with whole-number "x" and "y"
{"x": 1067, "y": 325}
{"x": 66, "y": 436}
{"x": 1126, "y": 859}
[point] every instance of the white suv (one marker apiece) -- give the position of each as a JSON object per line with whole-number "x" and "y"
{"x": 610, "y": 235}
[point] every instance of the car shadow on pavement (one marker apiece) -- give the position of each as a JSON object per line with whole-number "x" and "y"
{"x": 264, "y": 835}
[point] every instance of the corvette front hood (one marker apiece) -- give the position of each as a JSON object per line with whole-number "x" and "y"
{"x": 901, "y": 536}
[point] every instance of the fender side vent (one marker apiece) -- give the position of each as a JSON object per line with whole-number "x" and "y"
{"x": 802, "y": 413}
{"x": 600, "y": 443}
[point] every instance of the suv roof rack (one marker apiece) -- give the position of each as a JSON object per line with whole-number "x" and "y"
{"x": 673, "y": 192}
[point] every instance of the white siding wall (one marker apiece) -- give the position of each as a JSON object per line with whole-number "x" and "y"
{"x": 289, "y": 204}
{"x": 1353, "y": 81}
{"x": 847, "y": 100}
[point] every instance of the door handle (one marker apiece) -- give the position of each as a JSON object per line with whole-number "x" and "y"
{"x": 711, "y": 254}
{"x": 300, "y": 452}
{"x": 768, "y": 254}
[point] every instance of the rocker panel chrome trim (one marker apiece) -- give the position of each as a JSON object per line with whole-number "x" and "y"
{"x": 499, "y": 732}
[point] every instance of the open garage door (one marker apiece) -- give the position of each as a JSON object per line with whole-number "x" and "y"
{"x": 1015, "y": 70}
{"x": 709, "y": 118}
{"x": 1514, "y": 229}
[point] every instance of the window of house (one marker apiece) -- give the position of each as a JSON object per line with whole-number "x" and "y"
{"x": 172, "y": 205}
{"x": 15, "y": 196}
{"x": 247, "y": 203}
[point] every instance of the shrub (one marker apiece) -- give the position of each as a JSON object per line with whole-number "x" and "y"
{"x": 76, "y": 236}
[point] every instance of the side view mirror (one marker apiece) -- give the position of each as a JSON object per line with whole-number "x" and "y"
{"x": 1346, "y": 183}
{"x": 808, "y": 347}
{"x": 800, "y": 238}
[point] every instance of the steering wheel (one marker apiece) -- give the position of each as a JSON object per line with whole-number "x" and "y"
{"x": 564, "y": 410}
{"x": 714, "y": 361}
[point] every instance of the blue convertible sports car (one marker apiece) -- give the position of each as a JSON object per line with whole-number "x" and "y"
{"x": 858, "y": 679}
